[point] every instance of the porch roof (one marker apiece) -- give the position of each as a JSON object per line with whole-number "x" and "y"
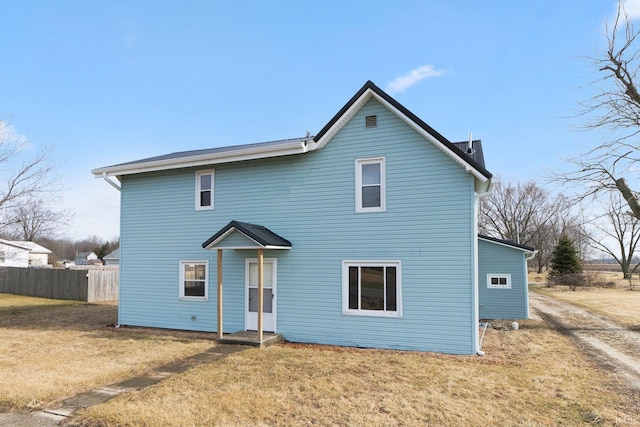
{"x": 242, "y": 235}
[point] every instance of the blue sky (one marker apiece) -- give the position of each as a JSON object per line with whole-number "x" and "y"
{"x": 106, "y": 82}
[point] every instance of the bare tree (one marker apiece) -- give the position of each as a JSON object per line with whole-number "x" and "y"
{"x": 617, "y": 235}
{"x": 23, "y": 176}
{"x": 528, "y": 214}
{"x": 616, "y": 110}
{"x": 33, "y": 219}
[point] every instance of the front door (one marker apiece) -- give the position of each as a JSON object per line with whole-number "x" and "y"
{"x": 269, "y": 292}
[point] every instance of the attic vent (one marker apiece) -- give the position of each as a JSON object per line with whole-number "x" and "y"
{"x": 371, "y": 121}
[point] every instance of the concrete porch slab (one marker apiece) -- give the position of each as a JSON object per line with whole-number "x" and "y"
{"x": 251, "y": 338}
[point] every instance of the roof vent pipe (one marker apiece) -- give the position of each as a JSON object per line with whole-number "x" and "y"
{"x": 470, "y": 149}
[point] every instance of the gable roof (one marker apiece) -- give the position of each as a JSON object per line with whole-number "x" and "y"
{"x": 509, "y": 243}
{"x": 306, "y": 144}
{"x": 115, "y": 254}
{"x": 370, "y": 90}
{"x": 259, "y": 236}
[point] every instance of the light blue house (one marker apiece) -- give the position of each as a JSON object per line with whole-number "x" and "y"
{"x": 363, "y": 235}
{"x": 502, "y": 279}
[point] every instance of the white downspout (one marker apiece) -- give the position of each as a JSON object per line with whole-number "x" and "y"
{"x": 113, "y": 184}
{"x": 476, "y": 268}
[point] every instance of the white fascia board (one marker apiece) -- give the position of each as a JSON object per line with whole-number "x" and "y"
{"x": 352, "y": 111}
{"x": 363, "y": 100}
{"x": 535, "y": 251}
{"x": 252, "y": 153}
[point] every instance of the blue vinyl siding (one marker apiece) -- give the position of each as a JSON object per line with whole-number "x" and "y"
{"x": 513, "y": 303}
{"x": 310, "y": 200}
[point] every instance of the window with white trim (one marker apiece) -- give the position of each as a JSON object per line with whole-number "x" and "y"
{"x": 204, "y": 190}
{"x": 194, "y": 280}
{"x": 370, "y": 185}
{"x": 372, "y": 288}
{"x": 499, "y": 281}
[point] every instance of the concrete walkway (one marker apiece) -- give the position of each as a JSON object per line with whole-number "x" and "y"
{"x": 50, "y": 417}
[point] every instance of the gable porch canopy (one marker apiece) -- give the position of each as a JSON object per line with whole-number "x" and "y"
{"x": 242, "y": 235}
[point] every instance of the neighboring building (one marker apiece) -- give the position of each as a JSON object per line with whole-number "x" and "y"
{"x": 15, "y": 253}
{"x": 113, "y": 258}
{"x": 368, "y": 232}
{"x": 85, "y": 258}
{"x": 502, "y": 279}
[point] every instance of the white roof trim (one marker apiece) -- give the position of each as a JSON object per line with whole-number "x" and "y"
{"x": 231, "y": 231}
{"x": 356, "y": 106}
{"x": 247, "y": 153}
{"x": 535, "y": 251}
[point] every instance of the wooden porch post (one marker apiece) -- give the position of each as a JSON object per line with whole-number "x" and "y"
{"x": 260, "y": 292}
{"x": 219, "y": 293}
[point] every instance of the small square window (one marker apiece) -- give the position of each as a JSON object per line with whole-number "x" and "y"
{"x": 194, "y": 280}
{"x": 204, "y": 190}
{"x": 499, "y": 281}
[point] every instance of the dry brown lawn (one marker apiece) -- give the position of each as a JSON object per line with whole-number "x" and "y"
{"x": 53, "y": 349}
{"x": 533, "y": 377}
{"x": 620, "y": 303}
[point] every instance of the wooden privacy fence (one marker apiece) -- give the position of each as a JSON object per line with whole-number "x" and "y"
{"x": 81, "y": 285}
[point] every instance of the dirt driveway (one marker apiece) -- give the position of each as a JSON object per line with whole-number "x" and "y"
{"x": 611, "y": 344}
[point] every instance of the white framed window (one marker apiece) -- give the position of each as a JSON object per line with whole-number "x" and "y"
{"x": 370, "y": 185}
{"x": 499, "y": 281}
{"x": 194, "y": 280}
{"x": 372, "y": 288}
{"x": 204, "y": 190}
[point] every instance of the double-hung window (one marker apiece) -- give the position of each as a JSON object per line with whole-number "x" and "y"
{"x": 499, "y": 281}
{"x": 194, "y": 280}
{"x": 372, "y": 288}
{"x": 370, "y": 185}
{"x": 204, "y": 190}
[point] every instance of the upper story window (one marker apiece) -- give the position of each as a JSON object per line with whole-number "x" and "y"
{"x": 193, "y": 280}
{"x": 370, "y": 185}
{"x": 499, "y": 281}
{"x": 204, "y": 190}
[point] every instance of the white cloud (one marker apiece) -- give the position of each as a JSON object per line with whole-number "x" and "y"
{"x": 632, "y": 8}
{"x": 405, "y": 81}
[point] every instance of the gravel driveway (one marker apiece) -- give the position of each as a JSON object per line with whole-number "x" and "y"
{"x": 611, "y": 344}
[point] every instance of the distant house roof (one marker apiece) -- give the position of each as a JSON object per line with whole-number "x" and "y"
{"x": 262, "y": 236}
{"x": 510, "y": 243}
{"x": 115, "y": 254}
{"x": 84, "y": 254}
{"x": 30, "y": 246}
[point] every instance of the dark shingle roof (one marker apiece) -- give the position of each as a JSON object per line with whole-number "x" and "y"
{"x": 260, "y": 234}
{"x": 476, "y": 150}
{"x": 205, "y": 151}
{"x": 369, "y": 85}
{"x": 508, "y": 243}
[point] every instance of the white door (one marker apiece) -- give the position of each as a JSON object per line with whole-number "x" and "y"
{"x": 269, "y": 292}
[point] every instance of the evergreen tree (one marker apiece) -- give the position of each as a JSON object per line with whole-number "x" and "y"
{"x": 564, "y": 259}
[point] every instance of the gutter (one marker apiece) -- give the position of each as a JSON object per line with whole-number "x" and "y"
{"x": 110, "y": 181}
